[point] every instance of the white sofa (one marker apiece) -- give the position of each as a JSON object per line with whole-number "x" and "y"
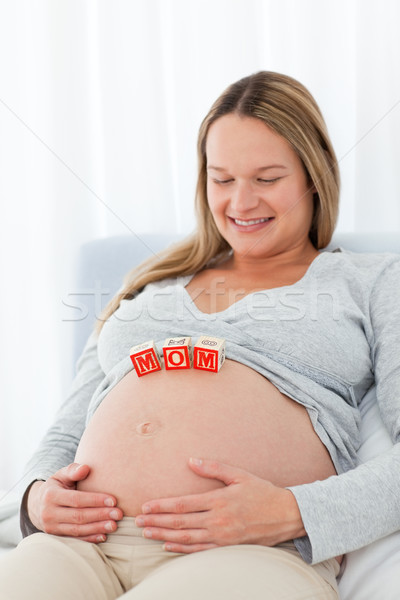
{"x": 372, "y": 573}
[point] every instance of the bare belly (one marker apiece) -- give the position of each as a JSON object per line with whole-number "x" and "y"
{"x": 141, "y": 437}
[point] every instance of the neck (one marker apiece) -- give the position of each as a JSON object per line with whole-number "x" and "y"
{"x": 300, "y": 255}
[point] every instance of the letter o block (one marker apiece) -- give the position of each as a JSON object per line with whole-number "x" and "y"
{"x": 209, "y": 353}
{"x": 177, "y": 353}
{"x": 145, "y": 358}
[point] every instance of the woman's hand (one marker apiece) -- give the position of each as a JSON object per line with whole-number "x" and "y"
{"x": 56, "y": 506}
{"x": 248, "y": 510}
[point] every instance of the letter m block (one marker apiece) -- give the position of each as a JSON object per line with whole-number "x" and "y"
{"x": 145, "y": 358}
{"x": 209, "y": 353}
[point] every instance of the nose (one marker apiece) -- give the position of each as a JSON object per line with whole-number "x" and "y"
{"x": 243, "y": 198}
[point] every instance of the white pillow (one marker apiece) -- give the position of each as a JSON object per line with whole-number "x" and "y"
{"x": 10, "y": 533}
{"x": 373, "y": 572}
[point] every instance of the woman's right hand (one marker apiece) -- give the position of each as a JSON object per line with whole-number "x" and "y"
{"x": 56, "y": 506}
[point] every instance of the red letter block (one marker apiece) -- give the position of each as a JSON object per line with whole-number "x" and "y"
{"x": 209, "y": 353}
{"x": 145, "y": 358}
{"x": 178, "y": 353}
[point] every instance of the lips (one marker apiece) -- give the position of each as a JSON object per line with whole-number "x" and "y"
{"x": 250, "y": 225}
{"x": 251, "y": 221}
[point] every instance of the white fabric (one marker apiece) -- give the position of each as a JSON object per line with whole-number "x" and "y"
{"x": 10, "y": 533}
{"x": 373, "y": 573}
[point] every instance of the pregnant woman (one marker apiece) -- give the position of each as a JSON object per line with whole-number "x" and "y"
{"x": 242, "y": 483}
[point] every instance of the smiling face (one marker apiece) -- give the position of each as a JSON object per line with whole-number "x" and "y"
{"x": 257, "y": 189}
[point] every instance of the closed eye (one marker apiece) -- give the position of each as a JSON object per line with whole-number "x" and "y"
{"x": 222, "y": 181}
{"x": 269, "y": 180}
{"x": 225, "y": 181}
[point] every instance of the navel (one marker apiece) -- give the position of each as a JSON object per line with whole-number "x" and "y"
{"x": 147, "y": 428}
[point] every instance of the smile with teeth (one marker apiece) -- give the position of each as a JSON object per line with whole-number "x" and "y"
{"x": 252, "y": 221}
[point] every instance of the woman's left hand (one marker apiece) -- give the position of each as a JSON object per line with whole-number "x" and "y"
{"x": 247, "y": 510}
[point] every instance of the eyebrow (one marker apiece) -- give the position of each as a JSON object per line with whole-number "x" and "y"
{"x": 257, "y": 170}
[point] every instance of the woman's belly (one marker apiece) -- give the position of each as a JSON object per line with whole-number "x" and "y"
{"x": 141, "y": 437}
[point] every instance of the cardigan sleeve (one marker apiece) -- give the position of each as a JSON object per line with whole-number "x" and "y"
{"x": 349, "y": 511}
{"x": 58, "y": 447}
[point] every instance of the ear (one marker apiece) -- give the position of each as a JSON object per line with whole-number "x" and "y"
{"x": 310, "y": 183}
{"x": 312, "y": 187}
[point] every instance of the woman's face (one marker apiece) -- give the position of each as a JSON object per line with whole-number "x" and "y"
{"x": 257, "y": 188}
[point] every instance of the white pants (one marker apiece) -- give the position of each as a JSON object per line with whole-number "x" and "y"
{"x": 47, "y": 567}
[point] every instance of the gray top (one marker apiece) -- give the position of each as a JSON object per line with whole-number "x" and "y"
{"x": 323, "y": 341}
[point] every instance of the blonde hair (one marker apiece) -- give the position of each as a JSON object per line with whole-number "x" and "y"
{"x": 288, "y": 108}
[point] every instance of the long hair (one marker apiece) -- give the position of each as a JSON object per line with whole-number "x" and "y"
{"x": 289, "y": 109}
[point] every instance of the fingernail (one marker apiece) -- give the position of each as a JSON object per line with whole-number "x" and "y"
{"x": 196, "y": 461}
{"x": 147, "y": 533}
{"x": 167, "y": 547}
{"x": 114, "y": 514}
{"x": 109, "y": 526}
{"x": 139, "y": 522}
{"x": 146, "y": 509}
{"x": 109, "y": 502}
{"x": 101, "y": 538}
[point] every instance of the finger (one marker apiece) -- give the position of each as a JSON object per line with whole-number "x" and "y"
{"x": 213, "y": 469}
{"x": 77, "y": 472}
{"x": 72, "y": 473}
{"x": 172, "y": 521}
{"x": 186, "y": 537}
{"x": 180, "y": 504}
{"x": 83, "y": 516}
{"x": 94, "y": 539}
{"x": 182, "y": 549}
{"x": 79, "y": 499}
{"x": 86, "y": 530}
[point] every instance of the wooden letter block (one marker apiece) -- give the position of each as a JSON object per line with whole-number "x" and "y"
{"x": 177, "y": 353}
{"x": 145, "y": 358}
{"x": 209, "y": 353}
